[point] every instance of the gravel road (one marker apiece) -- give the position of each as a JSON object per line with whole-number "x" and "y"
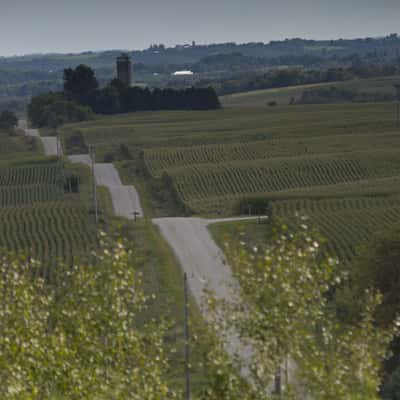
{"x": 51, "y": 144}
{"x": 199, "y": 256}
{"x": 81, "y": 158}
{"x": 125, "y": 198}
{"x": 32, "y": 132}
{"x": 205, "y": 266}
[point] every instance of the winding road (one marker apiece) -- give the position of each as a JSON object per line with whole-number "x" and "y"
{"x": 125, "y": 198}
{"x": 198, "y": 254}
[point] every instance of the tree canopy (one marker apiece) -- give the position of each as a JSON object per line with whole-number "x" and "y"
{"x": 53, "y": 109}
{"x": 79, "y": 83}
{"x": 285, "y": 311}
{"x": 8, "y": 120}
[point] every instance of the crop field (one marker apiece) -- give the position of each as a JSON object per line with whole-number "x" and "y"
{"x": 14, "y": 146}
{"x": 343, "y": 158}
{"x": 162, "y": 130}
{"x": 346, "y": 223}
{"x": 48, "y": 231}
{"x": 37, "y": 216}
{"x": 283, "y": 96}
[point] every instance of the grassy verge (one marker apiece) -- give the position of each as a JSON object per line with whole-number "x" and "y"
{"x": 251, "y": 232}
{"x": 156, "y": 198}
{"x": 162, "y": 276}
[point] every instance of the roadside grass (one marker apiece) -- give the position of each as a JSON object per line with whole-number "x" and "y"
{"x": 156, "y": 197}
{"x": 162, "y": 276}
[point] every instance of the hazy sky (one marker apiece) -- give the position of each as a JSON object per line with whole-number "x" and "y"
{"x": 32, "y": 26}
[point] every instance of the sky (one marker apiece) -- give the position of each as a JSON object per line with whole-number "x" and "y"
{"x": 48, "y": 26}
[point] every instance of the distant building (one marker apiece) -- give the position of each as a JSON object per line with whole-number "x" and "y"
{"x": 183, "y": 73}
{"x": 124, "y": 69}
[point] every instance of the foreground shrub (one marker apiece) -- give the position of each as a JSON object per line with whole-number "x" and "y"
{"x": 285, "y": 313}
{"x": 79, "y": 339}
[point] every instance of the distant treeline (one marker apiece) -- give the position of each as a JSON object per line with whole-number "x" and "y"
{"x": 116, "y": 98}
{"x": 341, "y": 94}
{"x": 299, "y": 76}
{"x": 82, "y": 97}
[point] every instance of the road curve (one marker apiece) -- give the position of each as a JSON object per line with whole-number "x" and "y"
{"x": 125, "y": 198}
{"x": 51, "y": 144}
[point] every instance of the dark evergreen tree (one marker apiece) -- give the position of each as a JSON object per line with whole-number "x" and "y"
{"x": 79, "y": 83}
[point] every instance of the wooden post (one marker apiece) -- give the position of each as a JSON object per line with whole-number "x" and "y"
{"x": 278, "y": 382}
{"x": 92, "y": 156}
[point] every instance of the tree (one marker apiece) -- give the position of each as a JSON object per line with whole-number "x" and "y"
{"x": 79, "y": 83}
{"x": 8, "y": 120}
{"x": 52, "y": 110}
{"x": 80, "y": 338}
{"x": 378, "y": 268}
{"x": 289, "y": 318}
{"x": 106, "y": 101}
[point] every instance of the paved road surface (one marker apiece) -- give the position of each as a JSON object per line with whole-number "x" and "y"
{"x": 125, "y": 199}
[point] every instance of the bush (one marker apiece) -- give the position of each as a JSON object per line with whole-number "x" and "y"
{"x": 254, "y": 205}
{"x": 79, "y": 339}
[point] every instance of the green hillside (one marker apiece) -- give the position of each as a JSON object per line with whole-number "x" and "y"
{"x": 340, "y": 159}
{"x": 283, "y": 96}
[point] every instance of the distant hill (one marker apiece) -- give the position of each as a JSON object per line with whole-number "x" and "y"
{"x": 361, "y": 90}
{"x": 24, "y": 76}
{"x": 388, "y": 46}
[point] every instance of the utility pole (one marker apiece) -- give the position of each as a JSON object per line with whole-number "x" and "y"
{"x": 187, "y": 344}
{"x": 92, "y": 157}
{"x": 397, "y": 87}
{"x": 60, "y": 160}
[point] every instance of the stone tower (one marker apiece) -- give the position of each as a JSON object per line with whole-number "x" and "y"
{"x": 124, "y": 69}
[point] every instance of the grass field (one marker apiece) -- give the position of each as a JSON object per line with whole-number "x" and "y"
{"x": 283, "y": 96}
